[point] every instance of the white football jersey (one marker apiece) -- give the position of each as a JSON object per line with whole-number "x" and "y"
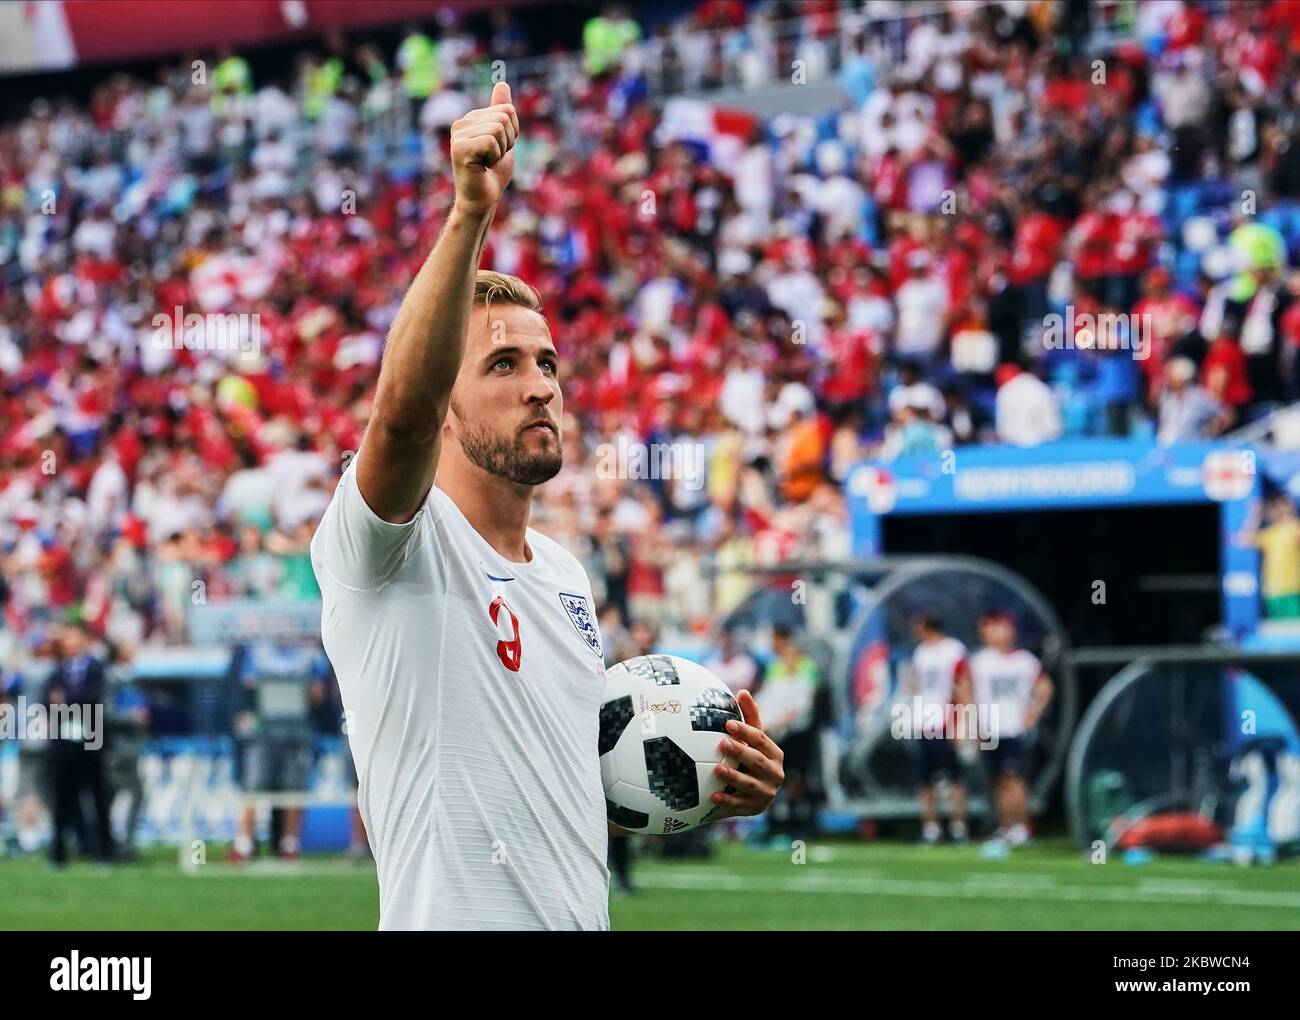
{"x": 1004, "y": 681}
{"x": 935, "y": 667}
{"x": 471, "y": 687}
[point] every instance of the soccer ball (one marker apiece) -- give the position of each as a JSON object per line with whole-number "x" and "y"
{"x": 661, "y": 720}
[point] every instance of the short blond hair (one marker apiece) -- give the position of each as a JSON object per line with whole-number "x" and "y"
{"x": 510, "y": 290}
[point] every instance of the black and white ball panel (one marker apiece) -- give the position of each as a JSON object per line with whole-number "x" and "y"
{"x": 660, "y": 724}
{"x": 614, "y": 717}
{"x": 658, "y": 669}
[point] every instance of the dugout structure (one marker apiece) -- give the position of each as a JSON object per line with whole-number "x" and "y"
{"x": 1137, "y": 544}
{"x": 853, "y": 619}
{"x": 1206, "y": 739}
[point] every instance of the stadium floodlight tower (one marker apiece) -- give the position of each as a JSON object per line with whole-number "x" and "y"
{"x": 854, "y": 619}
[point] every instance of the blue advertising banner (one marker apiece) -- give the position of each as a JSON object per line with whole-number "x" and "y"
{"x": 235, "y": 620}
{"x": 1068, "y": 475}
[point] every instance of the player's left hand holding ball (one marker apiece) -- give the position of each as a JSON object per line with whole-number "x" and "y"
{"x": 760, "y": 770}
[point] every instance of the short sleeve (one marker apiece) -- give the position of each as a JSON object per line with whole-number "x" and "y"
{"x": 356, "y": 547}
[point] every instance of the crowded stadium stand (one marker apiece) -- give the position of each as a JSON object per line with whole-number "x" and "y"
{"x": 875, "y": 277}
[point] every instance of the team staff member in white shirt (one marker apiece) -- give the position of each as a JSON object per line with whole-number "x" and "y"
{"x": 465, "y": 643}
{"x": 939, "y": 673}
{"x": 1009, "y": 684}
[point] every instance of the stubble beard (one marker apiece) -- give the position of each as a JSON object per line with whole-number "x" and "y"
{"x": 506, "y": 459}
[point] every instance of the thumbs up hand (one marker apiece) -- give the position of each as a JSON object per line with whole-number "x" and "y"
{"x": 482, "y": 156}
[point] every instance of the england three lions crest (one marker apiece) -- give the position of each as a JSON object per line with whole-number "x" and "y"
{"x": 579, "y": 610}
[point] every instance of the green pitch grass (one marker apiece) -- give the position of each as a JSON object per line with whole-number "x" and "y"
{"x": 840, "y": 885}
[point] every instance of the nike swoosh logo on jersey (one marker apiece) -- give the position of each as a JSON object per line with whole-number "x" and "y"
{"x": 491, "y": 578}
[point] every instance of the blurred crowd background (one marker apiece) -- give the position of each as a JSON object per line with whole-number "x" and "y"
{"x": 782, "y": 296}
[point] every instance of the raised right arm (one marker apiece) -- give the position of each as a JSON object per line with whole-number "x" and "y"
{"x": 399, "y": 454}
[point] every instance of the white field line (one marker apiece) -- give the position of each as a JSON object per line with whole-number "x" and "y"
{"x": 279, "y": 869}
{"x": 976, "y": 887}
{"x": 222, "y": 869}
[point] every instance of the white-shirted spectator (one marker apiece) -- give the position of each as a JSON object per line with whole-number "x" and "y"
{"x": 793, "y": 398}
{"x": 177, "y": 507}
{"x": 296, "y": 473}
{"x": 754, "y": 187}
{"x": 273, "y": 160}
{"x": 741, "y": 399}
{"x": 922, "y": 304}
{"x": 273, "y": 112}
{"x": 442, "y": 109}
{"x": 247, "y": 496}
{"x": 871, "y": 311}
{"x": 798, "y": 292}
{"x": 1145, "y": 173}
{"x": 338, "y": 120}
{"x": 1188, "y": 412}
{"x": 655, "y": 304}
{"x": 198, "y": 125}
{"x": 108, "y": 496}
{"x": 96, "y": 235}
{"x": 838, "y": 197}
{"x": 1026, "y": 410}
{"x": 1184, "y": 95}
{"x": 102, "y": 183}
{"x": 877, "y": 113}
{"x": 918, "y": 394}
